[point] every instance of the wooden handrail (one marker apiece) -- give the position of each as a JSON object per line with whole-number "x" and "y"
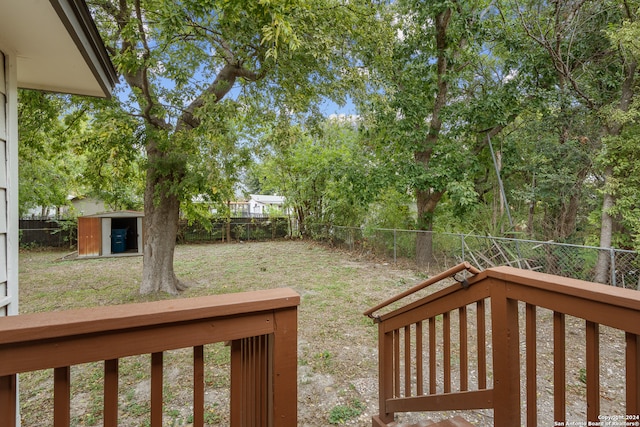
{"x": 59, "y": 340}
{"x": 410, "y": 337}
{"x": 39, "y": 326}
{"x": 430, "y": 281}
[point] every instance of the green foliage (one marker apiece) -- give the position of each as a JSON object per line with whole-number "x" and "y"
{"x": 69, "y": 228}
{"x": 579, "y": 64}
{"x": 435, "y": 89}
{"x": 111, "y": 149}
{"x": 326, "y": 177}
{"x": 546, "y": 89}
{"x": 620, "y": 151}
{"x": 340, "y": 414}
{"x": 48, "y": 125}
{"x": 624, "y": 159}
{"x": 582, "y": 376}
{"x": 391, "y": 209}
{"x": 199, "y": 73}
{"x": 547, "y": 176}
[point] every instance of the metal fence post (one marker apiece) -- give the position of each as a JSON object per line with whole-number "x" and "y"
{"x": 395, "y": 248}
{"x": 612, "y": 255}
{"x": 462, "y": 246}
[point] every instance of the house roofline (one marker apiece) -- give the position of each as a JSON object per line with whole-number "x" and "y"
{"x": 75, "y": 16}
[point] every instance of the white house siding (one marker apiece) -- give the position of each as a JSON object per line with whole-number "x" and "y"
{"x": 8, "y": 186}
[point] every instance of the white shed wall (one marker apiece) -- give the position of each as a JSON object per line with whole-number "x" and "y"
{"x": 140, "y": 230}
{"x": 106, "y": 236}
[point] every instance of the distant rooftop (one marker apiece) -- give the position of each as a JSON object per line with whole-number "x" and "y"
{"x": 267, "y": 199}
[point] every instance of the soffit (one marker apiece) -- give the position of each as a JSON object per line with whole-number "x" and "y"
{"x": 57, "y": 47}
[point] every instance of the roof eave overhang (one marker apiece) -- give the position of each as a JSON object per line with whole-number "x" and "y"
{"x": 57, "y": 47}
{"x": 76, "y": 18}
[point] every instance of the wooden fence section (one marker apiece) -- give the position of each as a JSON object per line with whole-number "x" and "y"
{"x": 261, "y": 327}
{"x": 424, "y": 366}
{"x": 47, "y": 233}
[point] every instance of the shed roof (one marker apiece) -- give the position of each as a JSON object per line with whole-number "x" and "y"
{"x": 117, "y": 214}
{"x": 57, "y": 45}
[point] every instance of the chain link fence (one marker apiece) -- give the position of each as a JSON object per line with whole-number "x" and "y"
{"x": 57, "y": 233}
{"x": 449, "y": 249}
{"x": 238, "y": 229}
{"x": 397, "y": 246}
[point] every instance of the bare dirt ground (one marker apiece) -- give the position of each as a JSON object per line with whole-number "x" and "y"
{"x": 337, "y": 351}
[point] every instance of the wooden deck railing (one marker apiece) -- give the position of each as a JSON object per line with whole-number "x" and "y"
{"x": 261, "y": 326}
{"x": 423, "y": 366}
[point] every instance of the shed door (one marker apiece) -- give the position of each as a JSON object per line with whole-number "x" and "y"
{"x": 89, "y": 236}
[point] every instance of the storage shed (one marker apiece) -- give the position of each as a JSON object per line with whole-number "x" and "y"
{"x": 110, "y": 234}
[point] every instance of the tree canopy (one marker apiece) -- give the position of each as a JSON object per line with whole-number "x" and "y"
{"x": 510, "y": 116}
{"x": 195, "y": 69}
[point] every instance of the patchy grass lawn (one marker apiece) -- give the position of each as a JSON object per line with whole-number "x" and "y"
{"x": 337, "y": 345}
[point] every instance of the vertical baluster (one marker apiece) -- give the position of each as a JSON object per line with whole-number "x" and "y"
{"x": 633, "y": 373}
{"x": 61, "y": 396}
{"x": 266, "y": 390}
{"x": 250, "y": 385}
{"x": 593, "y": 371}
{"x": 505, "y": 336}
{"x": 198, "y": 386}
{"x": 237, "y": 381}
{"x": 407, "y": 361}
{"x": 432, "y": 355}
{"x": 446, "y": 338}
{"x": 256, "y": 395}
{"x": 559, "y": 368}
{"x": 481, "y": 333}
{"x": 419, "y": 361}
{"x": 262, "y": 372}
{"x": 464, "y": 356}
{"x": 111, "y": 393}
{"x": 532, "y": 365}
{"x": 156, "y": 389}
{"x": 283, "y": 367}
{"x": 259, "y": 383}
{"x": 396, "y": 363}
{"x": 385, "y": 372}
{"x": 8, "y": 400}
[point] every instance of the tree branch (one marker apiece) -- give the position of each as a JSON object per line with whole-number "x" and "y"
{"x": 220, "y": 87}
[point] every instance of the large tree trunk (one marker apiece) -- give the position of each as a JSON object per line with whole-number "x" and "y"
{"x": 427, "y": 198}
{"x": 607, "y": 221}
{"x": 134, "y": 43}
{"x": 160, "y": 230}
{"x": 606, "y": 232}
{"x": 532, "y": 208}
{"x": 427, "y": 202}
{"x": 569, "y": 217}
{"x": 568, "y": 214}
{"x": 161, "y": 215}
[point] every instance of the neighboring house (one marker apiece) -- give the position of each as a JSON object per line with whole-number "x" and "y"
{"x": 259, "y": 205}
{"x": 41, "y": 212}
{"x": 50, "y": 45}
{"x": 87, "y": 206}
{"x": 78, "y": 206}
